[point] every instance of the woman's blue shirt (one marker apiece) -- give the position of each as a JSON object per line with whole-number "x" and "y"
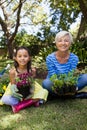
{"x": 54, "y": 67}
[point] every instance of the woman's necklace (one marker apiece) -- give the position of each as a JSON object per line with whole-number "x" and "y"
{"x": 62, "y": 59}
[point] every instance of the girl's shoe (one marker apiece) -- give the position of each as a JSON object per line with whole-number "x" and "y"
{"x": 36, "y": 104}
{"x": 22, "y": 104}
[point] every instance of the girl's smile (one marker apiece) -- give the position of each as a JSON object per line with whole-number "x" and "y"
{"x": 22, "y": 57}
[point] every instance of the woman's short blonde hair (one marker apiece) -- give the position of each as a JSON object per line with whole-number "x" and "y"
{"x": 62, "y": 34}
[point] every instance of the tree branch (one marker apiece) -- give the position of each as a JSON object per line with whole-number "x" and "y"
{"x": 17, "y": 21}
{"x": 4, "y": 27}
{"x": 4, "y": 12}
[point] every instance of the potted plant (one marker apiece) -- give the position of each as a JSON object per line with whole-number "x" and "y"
{"x": 64, "y": 84}
{"x": 24, "y": 84}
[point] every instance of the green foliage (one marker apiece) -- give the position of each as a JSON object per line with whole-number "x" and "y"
{"x": 24, "y": 39}
{"x": 46, "y": 50}
{"x": 38, "y": 62}
{"x": 4, "y": 81}
{"x": 64, "y": 13}
{"x": 35, "y": 12}
{"x": 2, "y": 42}
{"x": 80, "y": 49}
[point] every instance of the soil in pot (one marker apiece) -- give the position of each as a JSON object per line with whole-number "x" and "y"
{"x": 24, "y": 90}
{"x": 59, "y": 91}
{"x": 73, "y": 89}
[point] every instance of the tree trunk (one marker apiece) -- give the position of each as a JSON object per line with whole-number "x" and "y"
{"x": 10, "y": 49}
{"x": 83, "y": 7}
{"x": 81, "y": 28}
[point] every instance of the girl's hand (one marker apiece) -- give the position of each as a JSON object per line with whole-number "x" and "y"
{"x": 33, "y": 72}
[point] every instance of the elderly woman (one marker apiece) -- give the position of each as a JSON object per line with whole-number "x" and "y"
{"x": 62, "y": 61}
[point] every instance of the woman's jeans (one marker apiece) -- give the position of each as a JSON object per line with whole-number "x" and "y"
{"x": 82, "y": 82}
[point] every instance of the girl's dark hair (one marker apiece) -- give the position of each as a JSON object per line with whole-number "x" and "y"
{"x": 16, "y": 63}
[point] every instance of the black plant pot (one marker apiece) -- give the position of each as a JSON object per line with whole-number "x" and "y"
{"x": 70, "y": 90}
{"x": 24, "y": 90}
{"x": 66, "y": 89}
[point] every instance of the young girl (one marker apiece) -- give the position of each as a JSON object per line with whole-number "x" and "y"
{"x": 33, "y": 94}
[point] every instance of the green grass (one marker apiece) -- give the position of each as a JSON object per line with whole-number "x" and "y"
{"x": 58, "y": 114}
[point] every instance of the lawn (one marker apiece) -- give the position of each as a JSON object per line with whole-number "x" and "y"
{"x": 55, "y": 114}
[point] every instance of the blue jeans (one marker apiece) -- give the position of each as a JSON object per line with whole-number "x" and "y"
{"x": 82, "y": 82}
